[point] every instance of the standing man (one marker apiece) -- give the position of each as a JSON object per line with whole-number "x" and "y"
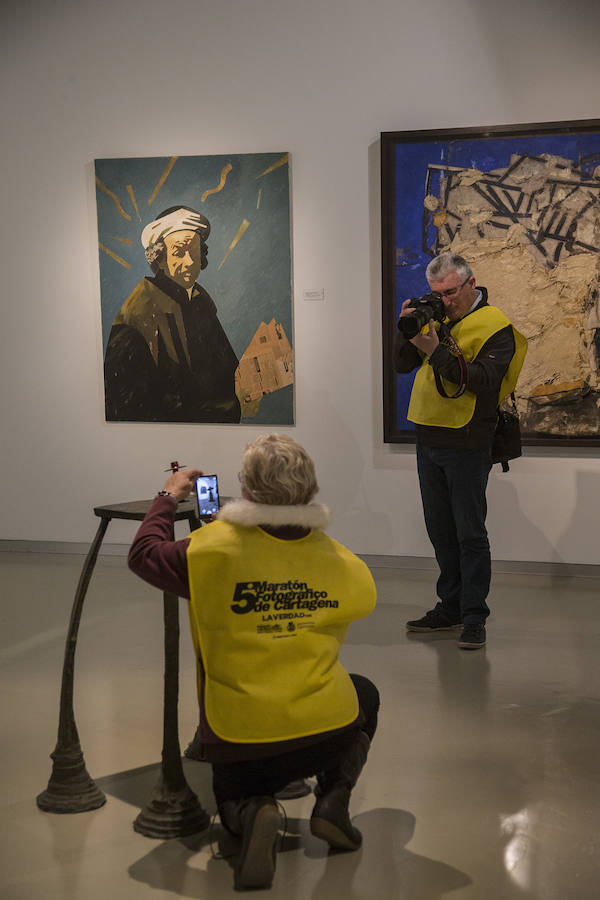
{"x": 465, "y": 369}
{"x": 168, "y": 358}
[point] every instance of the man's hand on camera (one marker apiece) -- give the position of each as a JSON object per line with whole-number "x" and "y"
{"x": 405, "y": 308}
{"x": 428, "y": 341}
{"x": 179, "y": 484}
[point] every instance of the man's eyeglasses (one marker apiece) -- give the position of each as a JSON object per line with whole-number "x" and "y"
{"x": 452, "y": 292}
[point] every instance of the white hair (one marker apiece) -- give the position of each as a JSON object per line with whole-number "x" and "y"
{"x": 276, "y": 470}
{"x": 447, "y": 262}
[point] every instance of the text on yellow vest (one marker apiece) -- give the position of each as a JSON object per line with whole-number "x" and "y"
{"x": 268, "y": 618}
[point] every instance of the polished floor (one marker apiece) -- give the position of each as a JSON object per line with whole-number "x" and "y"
{"x": 483, "y": 782}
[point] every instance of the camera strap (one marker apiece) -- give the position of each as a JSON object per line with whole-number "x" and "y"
{"x": 449, "y": 341}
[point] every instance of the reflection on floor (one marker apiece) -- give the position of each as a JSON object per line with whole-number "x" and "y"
{"x": 483, "y": 781}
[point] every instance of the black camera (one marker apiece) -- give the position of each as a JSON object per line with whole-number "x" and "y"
{"x": 430, "y": 306}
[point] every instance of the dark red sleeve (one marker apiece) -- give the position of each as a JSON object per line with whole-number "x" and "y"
{"x": 155, "y": 556}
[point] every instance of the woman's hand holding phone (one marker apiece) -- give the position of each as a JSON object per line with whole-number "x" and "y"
{"x": 179, "y": 484}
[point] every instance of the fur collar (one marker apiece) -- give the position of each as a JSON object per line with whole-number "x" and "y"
{"x": 247, "y": 514}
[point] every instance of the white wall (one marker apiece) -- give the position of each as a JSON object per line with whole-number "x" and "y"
{"x": 321, "y": 78}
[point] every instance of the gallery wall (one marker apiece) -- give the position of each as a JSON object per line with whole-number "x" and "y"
{"x": 320, "y": 79}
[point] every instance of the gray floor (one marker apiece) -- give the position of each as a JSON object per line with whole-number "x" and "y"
{"x": 483, "y": 781}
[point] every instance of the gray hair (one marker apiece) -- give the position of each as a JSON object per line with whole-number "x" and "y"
{"x": 276, "y": 470}
{"x": 156, "y": 254}
{"x": 445, "y": 263}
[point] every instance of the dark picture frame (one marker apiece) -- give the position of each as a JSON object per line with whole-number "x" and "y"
{"x": 522, "y": 204}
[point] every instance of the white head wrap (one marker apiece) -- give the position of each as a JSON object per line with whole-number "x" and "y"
{"x": 178, "y": 220}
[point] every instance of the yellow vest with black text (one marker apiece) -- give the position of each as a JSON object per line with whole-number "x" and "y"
{"x": 428, "y": 407}
{"x": 268, "y": 618}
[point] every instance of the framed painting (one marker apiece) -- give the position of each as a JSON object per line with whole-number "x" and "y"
{"x": 522, "y": 204}
{"x": 195, "y": 288}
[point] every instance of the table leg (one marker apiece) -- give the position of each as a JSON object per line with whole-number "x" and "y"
{"x": 70, "y": 788}
{"x": 174, "y": 809}
{"x": 194, "y": 522}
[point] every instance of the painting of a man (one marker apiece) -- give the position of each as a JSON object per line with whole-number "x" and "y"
{"x": 199, "y": 338}
{"x": 168, "y": 358}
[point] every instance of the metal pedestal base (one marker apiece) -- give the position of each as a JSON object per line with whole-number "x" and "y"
{"x": 171, "y": 814}
{"x": 70, "y": 789}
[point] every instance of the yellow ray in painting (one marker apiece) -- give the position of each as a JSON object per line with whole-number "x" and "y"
{"x": 123, "y": 240}
{"x": 258, "y": 198}
{"x": 226, "y": 170}
{"x": 245, "y": 224}
{"x": 114, "y": 197}
{"x": 280, "y": 162}
{"x": 114, "y": 256}
{"x": 162, "y": 179}
{"x": 132, "y": 195}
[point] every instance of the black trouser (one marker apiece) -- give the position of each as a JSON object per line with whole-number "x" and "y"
{"x": 267, "y": 776}
{"x": 453, "y": 484}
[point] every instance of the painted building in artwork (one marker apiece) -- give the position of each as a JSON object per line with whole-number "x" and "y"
{"x": 266, "y": 366}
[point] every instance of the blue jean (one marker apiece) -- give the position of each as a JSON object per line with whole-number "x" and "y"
{"x": 453, "y": 484}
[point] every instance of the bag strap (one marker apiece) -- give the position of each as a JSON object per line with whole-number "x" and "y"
{"x": 513, "y": 401}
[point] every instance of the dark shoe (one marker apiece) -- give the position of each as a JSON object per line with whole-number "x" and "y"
{"x": 229, "y": 814}
{"x": 195, "y": 749}
{"x": 473, "y": 637}
{"x": 330, "y": 819}
{"x": 295, "y": 789}
{"x": 432, "y": 621}
{"x": 260, "y": 820}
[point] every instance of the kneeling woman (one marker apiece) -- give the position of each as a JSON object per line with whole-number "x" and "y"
{"x": 271, "y": 597}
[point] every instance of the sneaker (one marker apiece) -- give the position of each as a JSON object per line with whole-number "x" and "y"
{"x": 432, "y": 621}
{"x": 473, "y": 637}
{"x": 260, "y": 821}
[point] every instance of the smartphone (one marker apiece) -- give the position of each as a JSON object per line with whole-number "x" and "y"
{"x": 207, "y": 495}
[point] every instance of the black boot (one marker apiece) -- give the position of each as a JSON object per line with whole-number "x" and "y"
{"x": 330, "y": 819}
{"x": 195, "y": 749}
{"x": 260, "y": 820}
{"x": 229, "y": 814}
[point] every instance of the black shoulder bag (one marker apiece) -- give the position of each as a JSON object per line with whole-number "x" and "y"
{"x": 507, "y": 439}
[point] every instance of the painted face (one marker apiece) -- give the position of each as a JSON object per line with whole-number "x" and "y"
{"x": 458, "y": 294}
{"x": 186, "y": 255}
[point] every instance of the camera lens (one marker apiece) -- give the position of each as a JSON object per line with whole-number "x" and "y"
{"x": 411, "y": 325}
{"x": 408, "y": 326}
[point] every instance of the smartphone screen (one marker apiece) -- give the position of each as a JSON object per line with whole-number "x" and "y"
{"x": 207, "y": 495}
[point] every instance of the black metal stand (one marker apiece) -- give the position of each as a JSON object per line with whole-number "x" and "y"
{"x": 70, "y": 788}
{"x": 174, "y": 809}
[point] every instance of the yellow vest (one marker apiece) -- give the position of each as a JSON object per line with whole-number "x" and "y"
{"x": 268, "y": 618}
{"x": 428, "y": 407}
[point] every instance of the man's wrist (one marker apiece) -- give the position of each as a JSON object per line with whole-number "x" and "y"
{"x": 167, "y": 494}
{"x": 439, "y": 355}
